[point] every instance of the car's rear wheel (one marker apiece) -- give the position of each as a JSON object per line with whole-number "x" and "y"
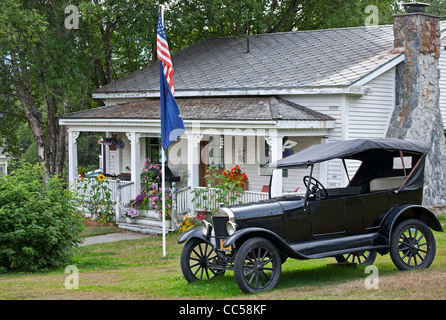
{"x": 197, "y": 259}
{"x": 364, "y": 257}
{"x": 412, "y": 245}
{"x": 257, "y": 266}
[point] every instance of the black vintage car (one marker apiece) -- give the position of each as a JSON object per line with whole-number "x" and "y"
{"x": 379, "y": 211}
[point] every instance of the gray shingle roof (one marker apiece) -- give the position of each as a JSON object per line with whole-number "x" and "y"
{"x": 225, "y": 108}
{"x": 304, "y": 59}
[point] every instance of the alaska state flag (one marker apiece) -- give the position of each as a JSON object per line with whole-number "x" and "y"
{"x": 172, "y": 125}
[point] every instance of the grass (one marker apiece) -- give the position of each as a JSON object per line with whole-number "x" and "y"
{"x": 136, "y": 269}
{"x": 96, "y": 230}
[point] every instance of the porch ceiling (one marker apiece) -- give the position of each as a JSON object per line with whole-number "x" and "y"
{"x": 209, "y": 109}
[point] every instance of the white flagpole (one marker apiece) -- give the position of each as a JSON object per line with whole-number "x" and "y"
{"x": 163, "y": 186}
{"x": 163, "y": 173}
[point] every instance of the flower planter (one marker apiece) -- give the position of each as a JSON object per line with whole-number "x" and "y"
{"x": 129, "y": 220}
{"x": 149, "y": 214}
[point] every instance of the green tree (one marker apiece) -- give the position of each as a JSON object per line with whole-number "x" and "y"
{"x": 190, "y": 21}
{"x": 38, "y": 223}
{"x": 40, "y": 70}
{"x": 437, "y": 7}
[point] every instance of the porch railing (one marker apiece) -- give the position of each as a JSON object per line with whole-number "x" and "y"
{"x": 206, "y": 198}
{"x": 185, "y": 199}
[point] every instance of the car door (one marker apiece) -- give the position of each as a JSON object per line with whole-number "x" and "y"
{"x": 327, "y": 217}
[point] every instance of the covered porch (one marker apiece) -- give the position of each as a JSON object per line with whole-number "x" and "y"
{"x": 221, "y": 132}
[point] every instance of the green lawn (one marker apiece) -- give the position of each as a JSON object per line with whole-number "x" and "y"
{"x": 136, "y": 269}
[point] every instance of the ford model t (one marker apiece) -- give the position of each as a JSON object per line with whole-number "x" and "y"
{"x": 379, "y": 211}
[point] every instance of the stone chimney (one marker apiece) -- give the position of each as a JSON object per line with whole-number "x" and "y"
{"x": 417, "y": 112}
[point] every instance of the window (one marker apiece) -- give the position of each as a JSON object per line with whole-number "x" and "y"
{"x": 398, "y": 164}
{"x": 216, "y": 152}
{"x": 153, "y": 149}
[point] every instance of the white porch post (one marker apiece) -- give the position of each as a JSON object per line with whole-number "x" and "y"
{"x": 193, "y": 161}
{"x": 72, "y": 155}
{"x": 275, "y": 142}
{"x": 135, "y": 162}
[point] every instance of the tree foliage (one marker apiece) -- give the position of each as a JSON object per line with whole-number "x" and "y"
{"x": 437, "y": 7}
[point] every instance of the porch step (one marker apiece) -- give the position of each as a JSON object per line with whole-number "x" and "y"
{"x": 144, "y": 225}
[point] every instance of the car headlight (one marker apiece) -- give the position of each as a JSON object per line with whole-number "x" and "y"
{"x": 231, "y": 227}
{"x": 206, "y": 228}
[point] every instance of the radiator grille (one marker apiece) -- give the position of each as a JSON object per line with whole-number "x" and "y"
{"x": 220, "y": 227}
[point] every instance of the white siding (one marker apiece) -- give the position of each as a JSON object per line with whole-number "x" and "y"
{"x": 334, "y": 106}
{"x": 365, "y": 116}
{"x": 369, "y": 115}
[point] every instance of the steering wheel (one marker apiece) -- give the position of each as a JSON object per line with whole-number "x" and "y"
{"x": 315, "y": 188}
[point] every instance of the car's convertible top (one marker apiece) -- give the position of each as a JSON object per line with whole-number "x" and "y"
{"x": 377, "y": 156}
{"x": 348, "y": 149}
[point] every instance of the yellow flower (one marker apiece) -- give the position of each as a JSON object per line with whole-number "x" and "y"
{"x": 101, "y": 177}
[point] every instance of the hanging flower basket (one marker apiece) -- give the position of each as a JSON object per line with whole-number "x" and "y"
{"x": 113, "y": 142}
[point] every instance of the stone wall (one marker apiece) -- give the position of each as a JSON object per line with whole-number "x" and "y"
{"x": 417, "y": 114}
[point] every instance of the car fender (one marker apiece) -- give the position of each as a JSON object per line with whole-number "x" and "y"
{"x": 247, "y": 233}
{"x": 407, "y": 211}
{"x": 192, "y": 233}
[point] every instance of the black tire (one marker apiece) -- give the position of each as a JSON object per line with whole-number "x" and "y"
{"x": 412, "y": 245}
{"x": 257, "y": 266}
{"x": 364, "y": 257}
{"x": 196, "y": 259}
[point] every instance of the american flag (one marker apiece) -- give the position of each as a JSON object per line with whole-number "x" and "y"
{"x": 163, "y": 53}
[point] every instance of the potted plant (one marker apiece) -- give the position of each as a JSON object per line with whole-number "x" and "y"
{"x": 113, "y": 142}
{"x": 130, "y": 213}
{"x": 234, "y": 179}
{"x": 149, "y": 175}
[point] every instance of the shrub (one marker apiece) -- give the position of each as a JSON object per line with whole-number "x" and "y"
{"x": 39, "y": 226}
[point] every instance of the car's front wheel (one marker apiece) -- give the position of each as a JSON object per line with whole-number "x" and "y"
{"x": 257, "y": 266}
{"x": 412, "y": 245}
{"x": 197, "y": 259}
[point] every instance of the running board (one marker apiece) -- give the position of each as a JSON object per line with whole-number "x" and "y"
{"x": 337, "y": 246}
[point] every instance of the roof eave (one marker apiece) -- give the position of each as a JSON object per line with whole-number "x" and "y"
{"x": 347, "y": 89}
{"x": 400, "y": 57}
{"x": 88, "y": 124}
